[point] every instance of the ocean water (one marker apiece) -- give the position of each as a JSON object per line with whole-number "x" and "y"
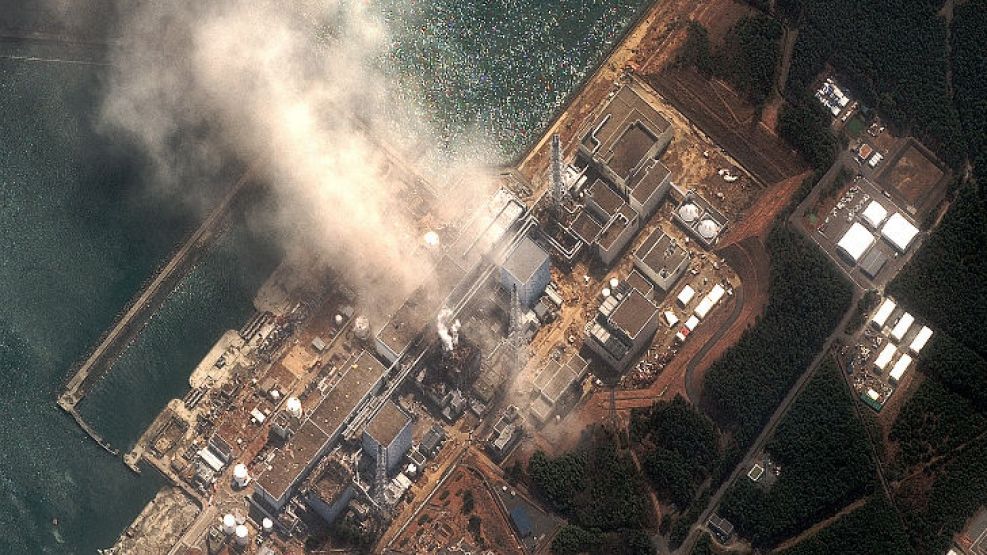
{"x": 79, "y": 234}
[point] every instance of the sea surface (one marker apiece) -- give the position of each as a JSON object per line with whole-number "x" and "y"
{"x": 80, "y": 233}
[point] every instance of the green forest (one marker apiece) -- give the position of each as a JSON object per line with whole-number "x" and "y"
{"x": 870, "y": 529}
{"x": 748, "y": 58}
{"x": 600, "y": 492}
{"x": 824, "y": 455}
{"x": 680, "y": 449}
{"x": 807, "y": 298}
{"x": 934, "y": 421}
{"x": 944, "y": 280}
{"x": 959, "y": 488}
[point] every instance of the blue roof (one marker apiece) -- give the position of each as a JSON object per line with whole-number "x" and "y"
{"x": 521, "y": 520}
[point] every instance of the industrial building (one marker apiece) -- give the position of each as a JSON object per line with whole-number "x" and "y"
{"x": 855, "y": 242}
{"x": 618, "y": 157}
{"x": 700, "y": 219}
{"x": 553, "y": 381}
{"x": 624, "y": 145}
{"x": 506, "y": 433}
{"x": 643, "y": 285}
{"x": 330, "y": 489}
{"x": 873, "y": 262}
{"x": 899, "y": 232}
{"x": 661, "y": 260}
{"x": 527, "y": 268}
{"x": 360, "y": 379}
{"x": 874, "y": 215}
{"x": 389, "y": 429}
{"x": 624, "y": 324}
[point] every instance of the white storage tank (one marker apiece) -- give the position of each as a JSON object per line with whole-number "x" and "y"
{"x": 240, "y": 475}
{"x": 242, "y": 535}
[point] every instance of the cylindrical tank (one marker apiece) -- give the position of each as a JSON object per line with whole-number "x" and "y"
{"x": 605, "y": 292}
{"x": 240, "y": 475}
{"x": 614, "y": 282}
{"x": 361, "y": 328}
{"x": 229, "y": 523}
{"x": 294, "y": 407}
{"x": 267, "y": 524}
{"x": 708, "y": 229}
{"x": 242, "y": 535}
{"x": 689, "y": 212}
{"x": 338, "y": 319}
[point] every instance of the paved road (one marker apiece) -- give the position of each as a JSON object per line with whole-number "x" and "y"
{"x": 769, "y": 428}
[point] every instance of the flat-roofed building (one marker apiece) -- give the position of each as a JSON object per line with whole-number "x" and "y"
{"x": 873, "y": 262}
{"x": 874, "y": 214}
{"x": 329, "y": 490}
{"x": 390, "y": 428}
{"x": 883, "y": 313}
{"x": 921, "y": 338}
{"x": 617, "y": 234}
{"x": 662, "y": 260}
{"x": 685, "y": 296}
{"x": 555, "y": 380}
{"x": 637, "y": 280}
{"x": 360, "y": 378}
{"x": 855, "y": 242}
{"x": 624, "y": 143}
{"x": 901, "y": 328}
{"x": 624, "y": 324}
{"x": 899, "y": 232}
{"x": 885, "y": 356}
{"x": 899, "y": 368}
{"x": 526, "y": 268}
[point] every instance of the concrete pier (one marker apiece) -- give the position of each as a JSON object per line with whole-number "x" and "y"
{"x": 132, "y": 321}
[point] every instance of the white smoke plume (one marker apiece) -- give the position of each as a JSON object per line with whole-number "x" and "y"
{"x": 448, "y": 331}
{"x": 293, "y": 89}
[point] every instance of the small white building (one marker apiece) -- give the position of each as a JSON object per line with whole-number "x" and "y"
{"x": 899, "y": 232}
{"x": 686, "y": 295}
{"x": 882, "y": 360}
{"x": 855, "y": 242}
{"x": 874, "y": 215}
{"x": 921, "y": 338}
{"x": 883, "y": 313}
{"x": 900, "y": 367}
{"x": 901, "y": 328}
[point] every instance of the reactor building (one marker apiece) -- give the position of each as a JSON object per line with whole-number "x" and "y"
{"x": 388, "y": 433}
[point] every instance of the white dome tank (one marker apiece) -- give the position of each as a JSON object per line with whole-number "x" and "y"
{"x": 242, "y": 535}
{"x": 708, "y": 229}
{"x": 267, "y": 524}
{"x": 294, "y": 407}
{"x": 240, "y": 475}
{"x": 229, "y": 523}
{"x": 431, "y": 239}
{"x": 605, "y": 292}
{"x": 689, "y": 212}
{"x": 361, "y": 328}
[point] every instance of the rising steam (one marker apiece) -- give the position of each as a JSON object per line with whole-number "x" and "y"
{"x": 293, "y": 89}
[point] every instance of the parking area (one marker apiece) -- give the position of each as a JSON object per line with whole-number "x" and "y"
{"x": 865, "y": 232}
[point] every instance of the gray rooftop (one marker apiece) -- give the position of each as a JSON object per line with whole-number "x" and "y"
{"x": 525, "y": 259}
